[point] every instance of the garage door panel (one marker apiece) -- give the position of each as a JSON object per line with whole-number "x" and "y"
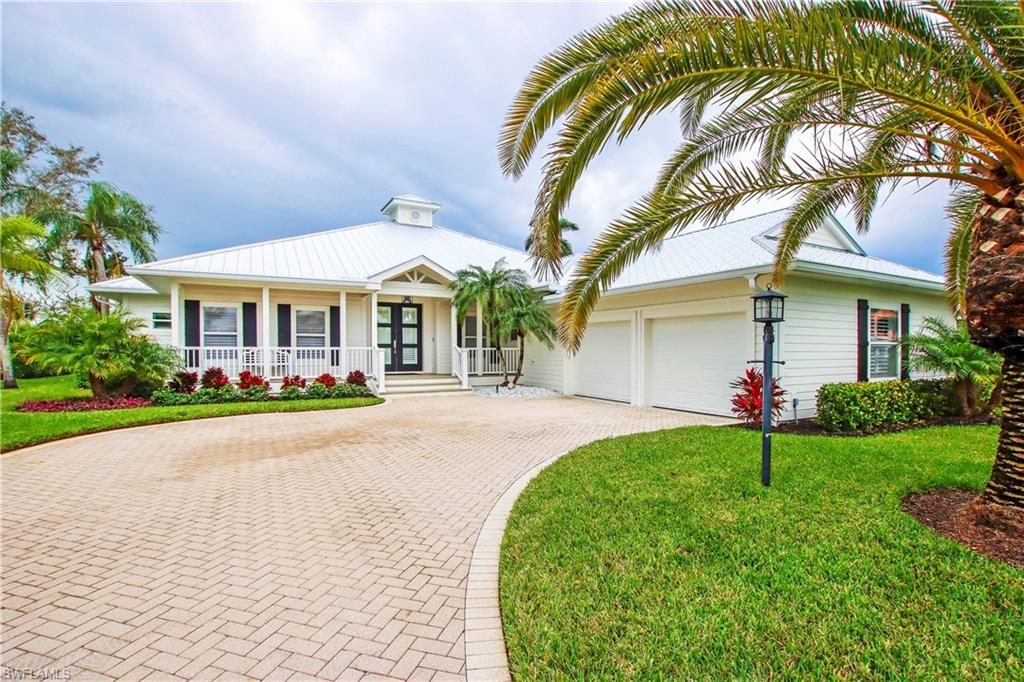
{"x": 691, "y": 361}
{"x": 602, "y": 367}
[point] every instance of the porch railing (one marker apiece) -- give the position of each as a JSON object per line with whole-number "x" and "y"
{"x": 460, "y": 365}
{"x": 277, "y": 362}
{"x": 488, "y": 360}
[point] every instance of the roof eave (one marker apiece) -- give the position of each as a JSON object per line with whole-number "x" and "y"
{"x": 143, "y": 272}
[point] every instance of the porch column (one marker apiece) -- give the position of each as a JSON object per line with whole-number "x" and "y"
{"x": 342, "y": 341}
{"x": 479, "y": 341}
{"x": 266, "y": 333}
{"x": 176, "y": 315}
{"x": 371, "y": 334}
{"x": 455, "y": 338}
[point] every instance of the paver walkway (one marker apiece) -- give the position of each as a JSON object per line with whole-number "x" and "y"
{"x": 327, "y": 545}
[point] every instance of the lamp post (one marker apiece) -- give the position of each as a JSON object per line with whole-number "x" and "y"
{"x": 769, "y": 308}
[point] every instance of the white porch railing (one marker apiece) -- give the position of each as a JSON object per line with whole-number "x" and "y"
{"x": 277, "y": 362}
{"x": 460, "y": 365}
{"x": 488, "y": 360}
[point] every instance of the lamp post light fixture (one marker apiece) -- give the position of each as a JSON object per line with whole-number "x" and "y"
{"x": 769, "y": 308}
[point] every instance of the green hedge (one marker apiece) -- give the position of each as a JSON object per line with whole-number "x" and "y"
{"x": 233, "y": 394}
{"x": 866, "y": 406}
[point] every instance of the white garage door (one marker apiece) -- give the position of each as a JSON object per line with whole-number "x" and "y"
{"x": 693, "y": 359}
{"x": 602, "y": 365}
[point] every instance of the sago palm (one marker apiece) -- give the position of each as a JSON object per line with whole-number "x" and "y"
{"x": 21, "y": 261}
{"x": 879, "y": 91}
{"x": 523, "y": 316}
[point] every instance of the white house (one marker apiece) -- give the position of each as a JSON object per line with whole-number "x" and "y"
{"x": 671, "y": 332}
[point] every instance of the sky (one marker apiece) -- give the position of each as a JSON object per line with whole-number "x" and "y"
{"x": 246, "y": 122}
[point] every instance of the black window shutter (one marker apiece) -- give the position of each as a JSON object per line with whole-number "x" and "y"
{"x": 862, "y": 339}
{"x": 192, "y": 323}
{"x": 284, "y": 324}
{"x": 248, "y": 324}
{"x": 905, "y": 327}
{"x": 335, "y": 326}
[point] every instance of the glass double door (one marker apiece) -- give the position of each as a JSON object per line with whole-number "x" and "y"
{"x": 400, "y": 336}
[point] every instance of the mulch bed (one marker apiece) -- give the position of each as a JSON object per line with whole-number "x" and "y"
{"x": 960, "y": 515}
{"x": 82, "y": 404}
{"x": 809, "y": 427}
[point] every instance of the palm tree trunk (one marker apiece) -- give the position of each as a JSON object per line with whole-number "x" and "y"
{"x": 962, "y": 389}
{"x": 6, "y": 366}
{"x": 99, "y": 270}
{"x": 522, "y": 354}
{"x": 995, "y": 317}
{"x": 98, "y": 386}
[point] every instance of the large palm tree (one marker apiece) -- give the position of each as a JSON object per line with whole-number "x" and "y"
{"x": 523, "y": 316}
{"x": 112, "y": 221}
{"x": 21, "y": 260}
{"x": 879, "y": 91}
{"x": 491, "y": 291}
{"x": 565, "y": 248}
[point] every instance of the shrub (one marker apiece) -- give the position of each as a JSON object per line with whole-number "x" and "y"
{"x": 867, "y": 406}
{"x": 317, "y": 391}
{"x": 247, "y": 380}
{"x": 356, "y": 377}
{"x": 254, "y": 393}
{"x": 291, "y": 392}
{"x": 347, "y": 390}
{"x": 294, "y": 381}
{"x": 168, "y": 397}
{"x": 214, "y": 378}
{"x": 82, "y": 404}
{"x": 327, "y": 380}
{"x": 184, "y": 382}
{"x": 748, "y": 401}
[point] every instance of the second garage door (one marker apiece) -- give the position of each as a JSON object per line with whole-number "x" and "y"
{"x": 602, "y": 364}
{"x": 691, "y": 361}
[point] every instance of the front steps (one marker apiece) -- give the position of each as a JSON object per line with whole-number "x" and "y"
{"x": 421, "y": 384}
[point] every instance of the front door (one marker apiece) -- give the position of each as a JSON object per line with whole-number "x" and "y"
{"x": 400, "y": 336}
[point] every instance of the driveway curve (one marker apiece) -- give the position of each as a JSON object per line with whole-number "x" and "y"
{"x": 331, "y": 545}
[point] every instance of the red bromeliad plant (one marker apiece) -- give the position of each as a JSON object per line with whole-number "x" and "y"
{"x": 249, "y": 380}
{"x": 356, "y": 377}
{"x": 747, "y": 403}
{"x": 215, "y": 378}
{"x": 326, "y": 379}
{"x": 295, "y": 380}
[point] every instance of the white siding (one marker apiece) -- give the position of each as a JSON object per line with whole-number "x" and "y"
{"x": 143, "y": 306}
{"x": 443, "y": 336}
{"x": 544, "y": 366}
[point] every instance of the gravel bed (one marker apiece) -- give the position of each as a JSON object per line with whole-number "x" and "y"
{"x": 520, "y": 392}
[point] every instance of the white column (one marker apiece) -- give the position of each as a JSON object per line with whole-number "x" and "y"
{"x": 266, "y": 332}
{"x": 455, "y": 339}
{"x": 176, "y": 326}
{"x": 371, "y": 331}
{"x": 479, "y": 341}
{"x": 638, "y": 359}
{"x": 342, "y": 341}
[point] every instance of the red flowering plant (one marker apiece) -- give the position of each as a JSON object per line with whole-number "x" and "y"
{"x": 248, "y": 380}
{"x": 356, "y": 377}
{"x": 747, "y": 403}
{"x": 215, "y": 378}
{"x": 184, "y": 382}
{"x": 82, "y": 404}
{"x": 326, "y": 379}
{"x": 293, "y": 381}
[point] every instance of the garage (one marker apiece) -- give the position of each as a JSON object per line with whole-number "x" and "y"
{"x": 692, "y": 360}
{"x": 601, "y": 367}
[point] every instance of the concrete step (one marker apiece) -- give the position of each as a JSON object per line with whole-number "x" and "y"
{"x": 423, "y": 389}
{"x": 420, "y": 380}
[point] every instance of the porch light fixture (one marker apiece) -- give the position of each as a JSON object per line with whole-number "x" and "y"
{"x": 407, "y": 300}
{"x": 769, "y": 308}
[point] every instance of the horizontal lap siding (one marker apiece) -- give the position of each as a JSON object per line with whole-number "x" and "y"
{"x": 543, "y": 366}
{"x": 143, "y": 306}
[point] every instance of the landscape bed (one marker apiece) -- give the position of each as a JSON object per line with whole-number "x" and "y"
{"x": 661, "y": 556}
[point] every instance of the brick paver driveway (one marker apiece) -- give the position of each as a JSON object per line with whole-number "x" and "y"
{"x": 278, "y": 546}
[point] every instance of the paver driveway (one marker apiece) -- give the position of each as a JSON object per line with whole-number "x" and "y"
{"x": 277, "y": 546}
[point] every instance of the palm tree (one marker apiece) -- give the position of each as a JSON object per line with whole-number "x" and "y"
{"x": 491, "y": 291}
{"x": 564, "y": 247}
{"x": 880, "y": 91}
{"x": 522, "y": 317}
{"x": 21, "y": 260}
{"x": 948, "y": 349}
{"x": 111, "y": 222}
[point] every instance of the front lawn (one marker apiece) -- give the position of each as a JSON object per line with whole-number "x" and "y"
{"x": 660, "y": 556}
{"x": 18, "y": 429}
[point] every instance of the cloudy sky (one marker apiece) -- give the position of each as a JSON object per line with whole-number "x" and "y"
{"x": 243, "y": 122}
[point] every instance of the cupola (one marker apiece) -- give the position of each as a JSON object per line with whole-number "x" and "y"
{"x": 409, "y": 209}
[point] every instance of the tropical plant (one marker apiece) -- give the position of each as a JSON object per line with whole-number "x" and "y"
{"x": 294, "y": 380}
{"x": 106, "y": 348}
{"x": 356, "y": 378}
{"x": 523, "y": 316}
{"x": 93, "y": 240}
{"x": 564, "y": 247}
{"x": 491, "y": 291}
{"x": 214, "y": 377}
{"x": 748, "y": 401}
{"x": 21, "y": 261}
{"x": 878, "y": 91}
{"x": 947, "y": 348}
{"x": 183, "y": 382}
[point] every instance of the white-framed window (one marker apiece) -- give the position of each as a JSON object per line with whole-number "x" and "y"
{"x": 309, "y": 327}
{"x": 220, "y": 324}
{"x": 884, "y": 343}
{"x": 161, "y": 320}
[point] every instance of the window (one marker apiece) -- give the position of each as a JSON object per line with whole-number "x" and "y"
{"x": 311, "y": 328}
{"x": 220, "y": 325}
{"x": 161, "y": 320}
{"x": 883, "y": 344}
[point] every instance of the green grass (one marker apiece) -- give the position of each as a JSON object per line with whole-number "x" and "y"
{"x": 18, "y": 429}
{"x": 660, "y": 556}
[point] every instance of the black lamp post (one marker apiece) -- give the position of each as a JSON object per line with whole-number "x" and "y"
{"x": 769, "y": 308}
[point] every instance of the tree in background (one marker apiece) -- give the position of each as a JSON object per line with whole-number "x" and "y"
{"x": 523, "y": 316}
{"x": 880, "y": 91}
{"x": 21, "y": 261}
{"x": 564, "y": 247}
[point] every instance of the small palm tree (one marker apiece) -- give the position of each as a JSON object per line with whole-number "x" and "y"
{"x": 111, "y": 222}
{"x": 564, "y": 247}
{"x": 838, "y": 101}
{"x": 522, "y": 317}
{"x": 21, "y": 260}
{"x": 948, "y": 349}
{"x": 491, "y": 291}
